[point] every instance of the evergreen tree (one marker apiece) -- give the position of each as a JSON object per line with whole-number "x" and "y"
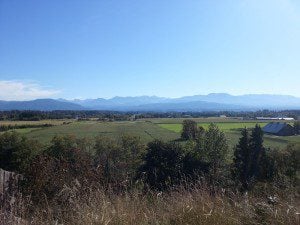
{"x": 242, "y": 160}
{"x": 251, "y": 162}
{"x": 258, "y": 154}
{"x": 265, "y": 166}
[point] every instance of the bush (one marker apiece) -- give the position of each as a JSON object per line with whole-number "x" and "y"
{"x": 163, "y": 164}
{"x": 61, "y": 165}
{"x": 119, "y": 160}
{"x": 285, "y": 166}
{"x": 16, "y": 151}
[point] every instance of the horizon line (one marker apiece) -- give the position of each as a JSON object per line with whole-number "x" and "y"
{"x": 154, "y": 96}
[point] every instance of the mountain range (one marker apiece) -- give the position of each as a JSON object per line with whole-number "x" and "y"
{"x": 210, "y": 102}
{"x": 40, "y": 105}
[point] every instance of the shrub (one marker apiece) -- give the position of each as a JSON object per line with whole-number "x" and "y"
{"x": 16, "y": 151}
{"x": 61, "y": 165}
{"x": 119, "y": 161}
{"x": 163, "y": 164}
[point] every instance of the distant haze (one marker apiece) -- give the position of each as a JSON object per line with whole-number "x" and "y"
{"x": 210, "y": 102}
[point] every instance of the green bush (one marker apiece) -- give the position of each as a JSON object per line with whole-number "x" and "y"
{"x": 16, "y": 151}
{"x": 163, "y": 164}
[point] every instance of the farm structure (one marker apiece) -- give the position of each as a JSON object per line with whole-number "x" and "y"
{"x": 279, "y": 129}
{"x": 275, "y": 118}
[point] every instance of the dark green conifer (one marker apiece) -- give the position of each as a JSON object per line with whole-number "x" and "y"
{"x": 242, "y": 160}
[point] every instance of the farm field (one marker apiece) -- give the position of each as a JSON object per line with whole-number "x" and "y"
{"x": 224, "y": 126}
{"x": 205, "y": 120}
{"x": 231, "y": 129}
{"x": 39, "y": 122}
{"x": 89, "y": 129}
{"x": 198, "y": 120}
{"x": 148, "y": 129}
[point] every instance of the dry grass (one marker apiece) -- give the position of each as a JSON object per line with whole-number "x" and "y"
{"x": 54, "y": 122}
{"x": 181, "y": 206}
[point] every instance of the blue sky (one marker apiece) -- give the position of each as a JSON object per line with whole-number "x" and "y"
{"x": 106, "y": 48}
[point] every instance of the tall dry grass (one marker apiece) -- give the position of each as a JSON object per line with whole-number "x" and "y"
{"x": 197, "y": 205}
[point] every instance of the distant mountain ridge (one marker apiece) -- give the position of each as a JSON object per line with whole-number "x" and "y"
{"x": 39, "y": 105}
{"x": 250, "y": 100}
{"x": 210, "y": 102}
{"x": 254, "y": 101}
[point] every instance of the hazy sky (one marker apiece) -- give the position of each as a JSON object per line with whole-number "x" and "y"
{"x": 171, "y": 48}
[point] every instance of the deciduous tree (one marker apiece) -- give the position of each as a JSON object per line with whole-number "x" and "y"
{"x": 190, "y": 130}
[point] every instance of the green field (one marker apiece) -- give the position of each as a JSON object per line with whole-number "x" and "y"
{"x": 198, "y": 120}
{"x": 224, "y": 126}
{"x": 232, "y": 132}
{"x": 148, "y": 129}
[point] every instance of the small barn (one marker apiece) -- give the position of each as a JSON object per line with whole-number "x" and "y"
{"x": 279, "y": 129}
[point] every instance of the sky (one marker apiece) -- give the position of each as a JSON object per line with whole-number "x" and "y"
{"x": 105, "y": 48}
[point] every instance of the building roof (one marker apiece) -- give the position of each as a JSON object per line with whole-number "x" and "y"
{"x": 274, "y": 127}
{"x": 274, "y": 118}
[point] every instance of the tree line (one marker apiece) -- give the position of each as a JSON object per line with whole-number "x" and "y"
{"x": 28, "y": 115}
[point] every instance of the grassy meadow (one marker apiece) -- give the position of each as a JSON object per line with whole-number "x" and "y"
{"x": 224, "y": 126}
{"x": 89, "y": 129}
{"x": 148, "y": 129}
{"x": 231, "y": 128}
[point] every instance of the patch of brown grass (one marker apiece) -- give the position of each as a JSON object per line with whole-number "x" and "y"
{"x": 181, "y": 206}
